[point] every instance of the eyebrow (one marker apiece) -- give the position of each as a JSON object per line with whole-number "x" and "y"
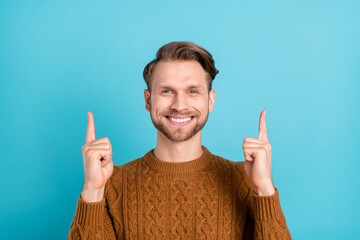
{"x": 194, "y": 86}
{"x": 191, "y": 86}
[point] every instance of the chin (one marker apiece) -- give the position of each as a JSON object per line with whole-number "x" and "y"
{"x": 180, "y": 135}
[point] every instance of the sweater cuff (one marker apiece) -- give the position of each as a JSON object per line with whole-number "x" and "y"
{"x": 267, "y": 207}
{"x": 89, "y": 214}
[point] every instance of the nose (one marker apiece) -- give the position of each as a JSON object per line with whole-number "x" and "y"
{"x": 179, "y": 103}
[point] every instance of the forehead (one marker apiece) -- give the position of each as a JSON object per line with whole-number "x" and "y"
{"x": 179, "y": 74}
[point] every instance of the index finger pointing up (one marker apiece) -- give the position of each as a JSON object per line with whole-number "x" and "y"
{"x": 262, "y": 127}
{"x": 90, "y": 132}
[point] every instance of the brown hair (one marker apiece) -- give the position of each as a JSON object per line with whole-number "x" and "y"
{"x": 182, "y": 51}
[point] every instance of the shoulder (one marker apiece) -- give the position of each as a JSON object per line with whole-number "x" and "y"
{"x": 237, "y": 169}
{"x": 119, "y": 170}
{"x": 229, "y": 164}
{"x": 128, "y": 167}
{"x": 114, "y": 185}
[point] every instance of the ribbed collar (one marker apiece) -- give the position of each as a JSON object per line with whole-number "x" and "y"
{"x": 178, "y": 167}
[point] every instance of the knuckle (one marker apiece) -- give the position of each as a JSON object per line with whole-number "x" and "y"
{"x": 267, "y": 147}
{"x": 90, "y": 152}
{"x": 85, "y": 148}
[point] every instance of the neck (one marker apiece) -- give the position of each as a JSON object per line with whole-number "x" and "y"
{"x": 183, "y": 151}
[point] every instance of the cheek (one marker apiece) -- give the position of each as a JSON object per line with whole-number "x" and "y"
{"x": 157, "y": 106}
{"x": 201, "y": 105}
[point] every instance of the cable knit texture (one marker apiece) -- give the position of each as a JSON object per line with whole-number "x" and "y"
{"x": 206, "y": 198}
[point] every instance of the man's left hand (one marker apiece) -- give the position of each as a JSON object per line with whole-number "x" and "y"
{"x": 257, "y": 154}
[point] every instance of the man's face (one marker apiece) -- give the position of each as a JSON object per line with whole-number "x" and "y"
{"x": 179, "y": 102}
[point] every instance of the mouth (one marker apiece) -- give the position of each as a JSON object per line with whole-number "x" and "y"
{"x": 180, "y": 120}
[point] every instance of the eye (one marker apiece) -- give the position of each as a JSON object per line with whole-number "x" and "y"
{"x": 193, "y": 91}
{"x": 166, "y": 91}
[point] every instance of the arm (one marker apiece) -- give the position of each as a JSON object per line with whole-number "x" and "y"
{"x": 266, "y": 220}
{"x": 97, "y": 214}
{"x": 265, "y": 217}
{"x": 100, "y": 220}
{"x": 91, "y": 221}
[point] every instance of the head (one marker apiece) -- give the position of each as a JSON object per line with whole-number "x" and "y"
{"x": 179, "y": 95}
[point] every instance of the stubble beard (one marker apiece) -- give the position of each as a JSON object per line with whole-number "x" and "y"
{"x": 180, "y": 133}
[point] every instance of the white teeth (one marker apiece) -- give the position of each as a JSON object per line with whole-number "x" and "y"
{"x": 180, "y": 119}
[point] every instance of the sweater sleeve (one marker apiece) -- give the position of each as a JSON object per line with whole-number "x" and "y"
{"x": 265, "y": 218}
{"x": 100, "y": 220}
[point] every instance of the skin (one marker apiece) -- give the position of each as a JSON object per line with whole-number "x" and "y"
{"x": 178, "y": 90}
{"x": 257, "y": 153}
{"x": 98, "y": 164}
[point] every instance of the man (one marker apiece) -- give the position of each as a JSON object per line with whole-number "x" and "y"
{"x": 179, "y": 190}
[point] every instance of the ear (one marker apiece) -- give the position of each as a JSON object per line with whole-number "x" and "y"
{"x": 211, "y": 100}
{"x": 147, "y": 99}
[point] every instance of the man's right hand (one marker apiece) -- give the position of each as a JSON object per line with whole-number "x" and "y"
{"x": 98, "y": 164}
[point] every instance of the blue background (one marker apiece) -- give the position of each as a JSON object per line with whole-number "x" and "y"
{"x": 299, "y": 60}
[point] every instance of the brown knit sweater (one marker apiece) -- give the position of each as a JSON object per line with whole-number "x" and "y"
{"x": 206, "y": 198}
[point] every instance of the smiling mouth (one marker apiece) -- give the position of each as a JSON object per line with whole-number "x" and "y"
{"x": 180, "y": 120}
